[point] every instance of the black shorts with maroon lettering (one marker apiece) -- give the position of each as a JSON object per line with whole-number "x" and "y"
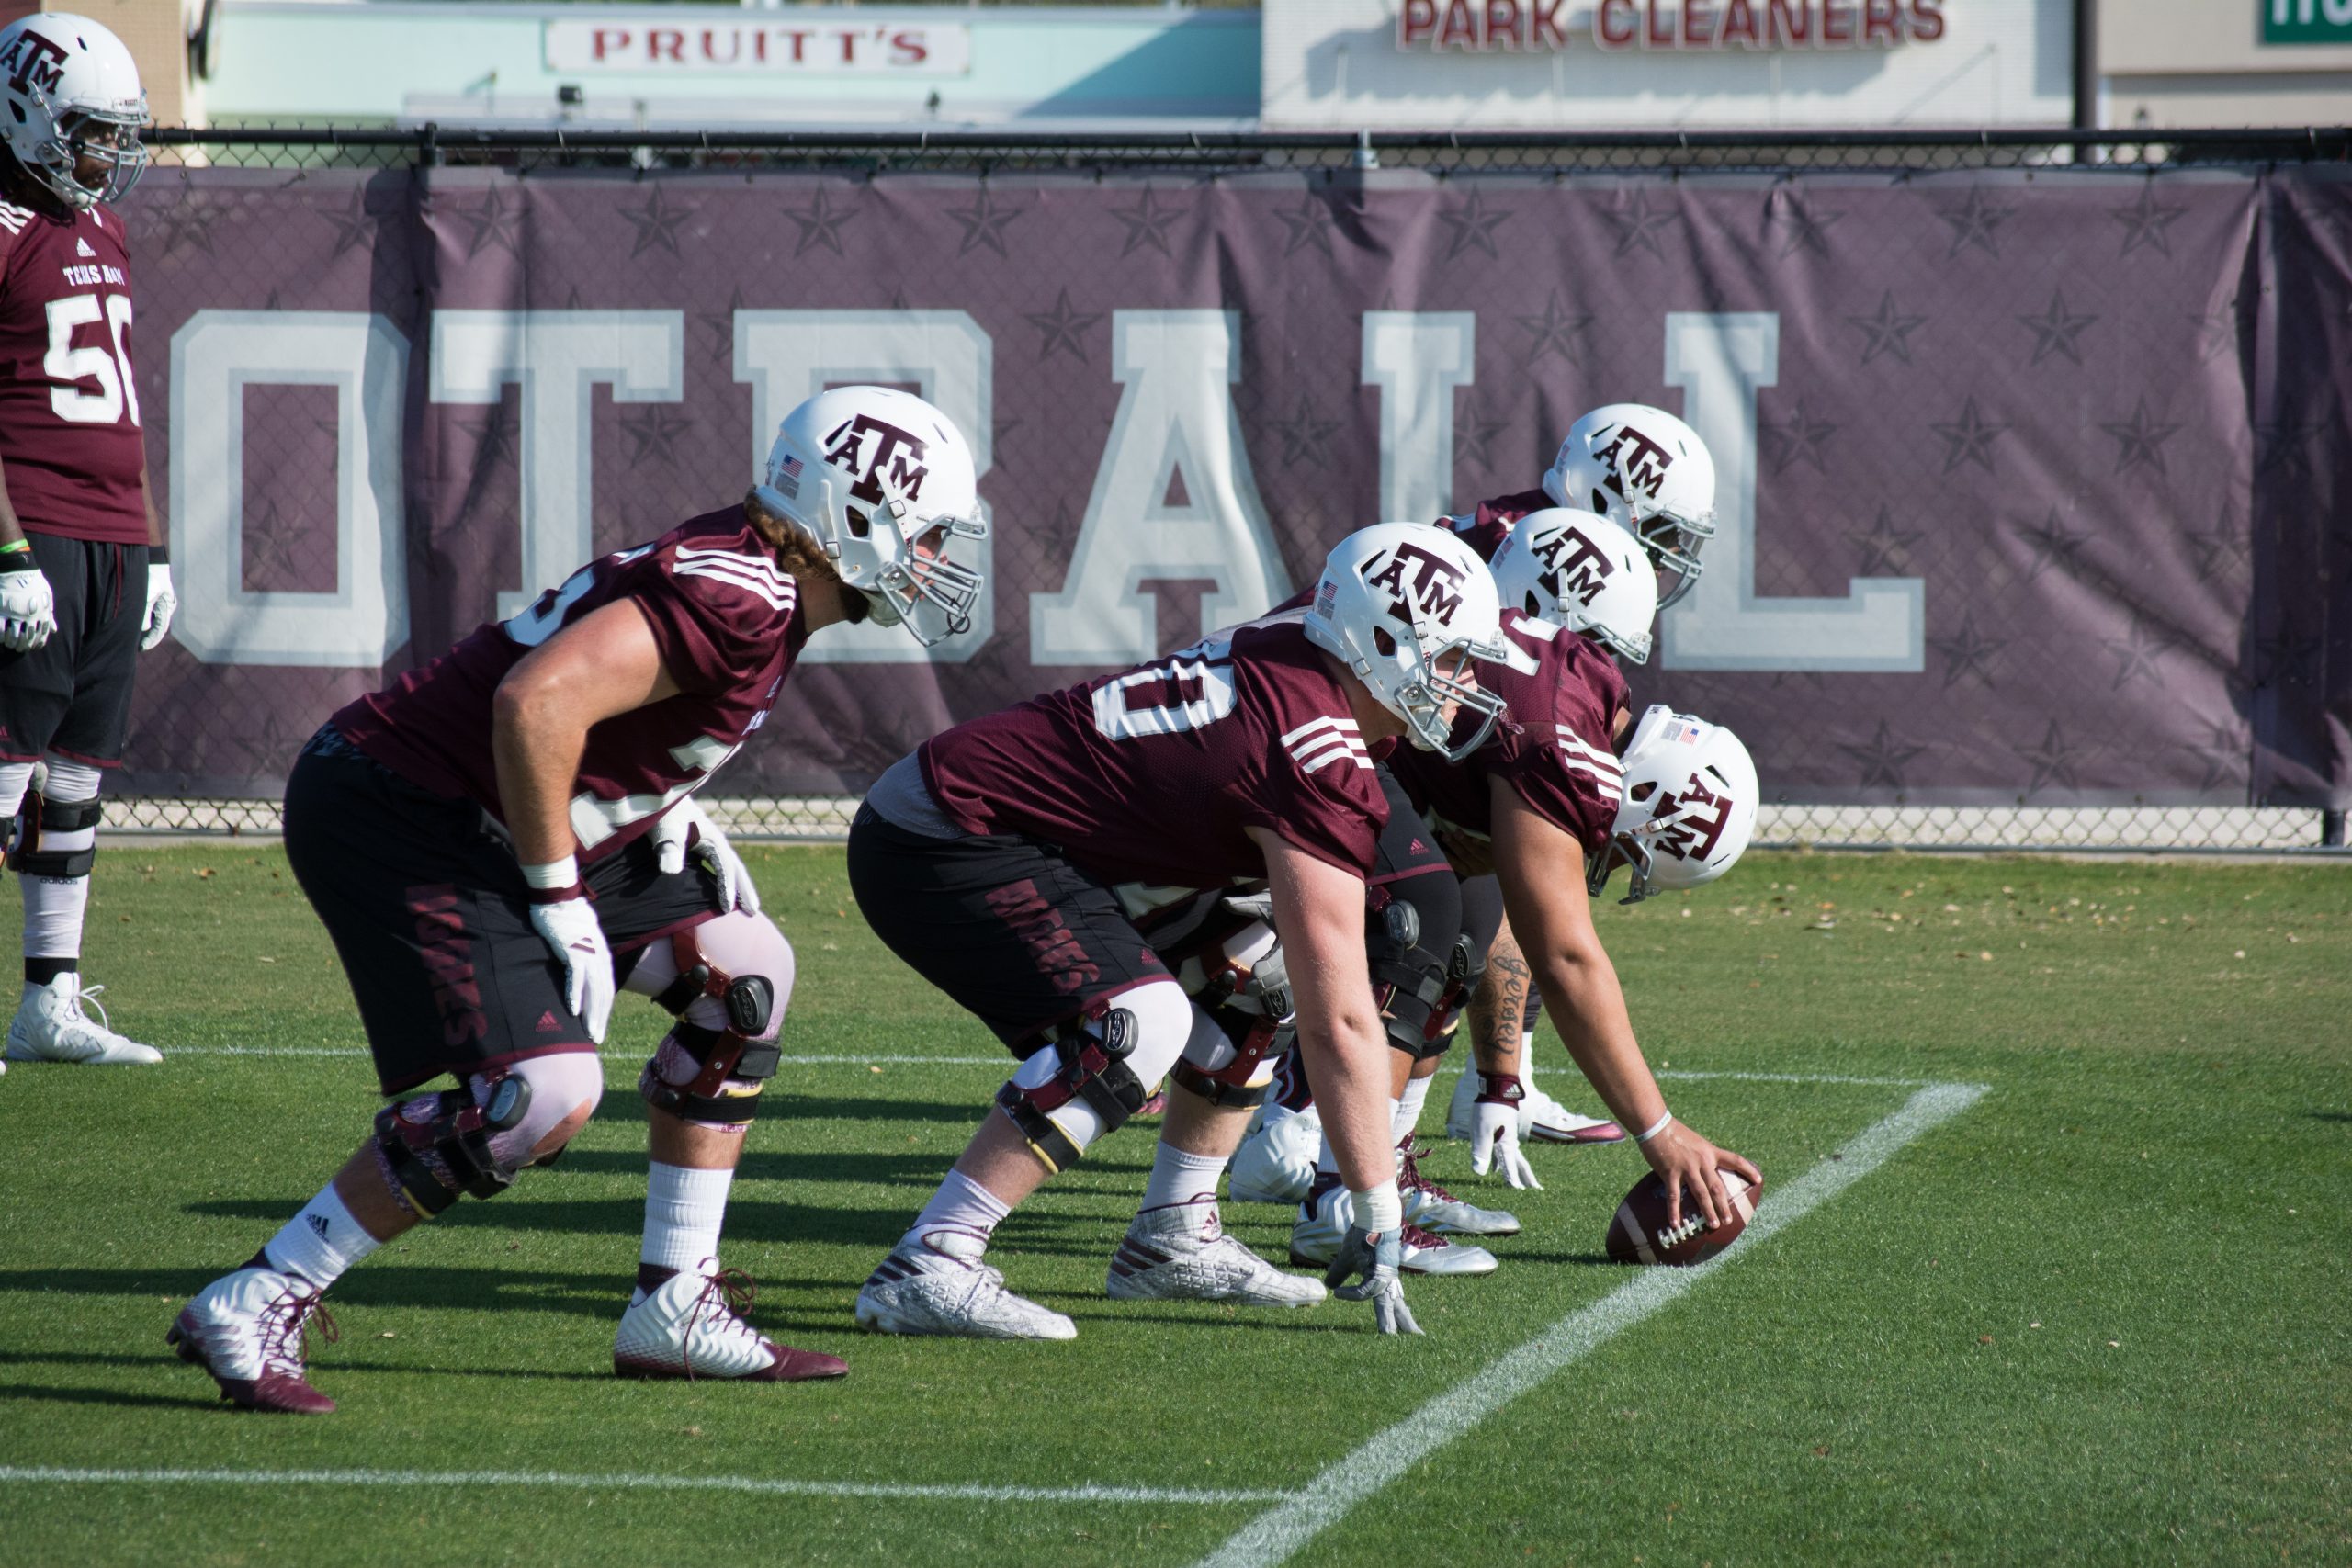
{"x": 71, "y": 695}
{"x": 1003, "y": 923}
{"x": 432, "y": 918}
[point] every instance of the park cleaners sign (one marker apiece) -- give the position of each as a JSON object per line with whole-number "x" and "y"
{"x": 1488, "y": 26}
{"x": 673, "y": 41}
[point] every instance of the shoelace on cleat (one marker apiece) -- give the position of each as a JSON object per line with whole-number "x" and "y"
{"x": 727, "y": 1295}
{"x": 286, "y": 1328}
{"x": 1414, "y": 1235}
{"x": 1410, "y": 1179}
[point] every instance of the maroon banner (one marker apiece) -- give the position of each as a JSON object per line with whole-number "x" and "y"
{"x": 2033, "y": 486}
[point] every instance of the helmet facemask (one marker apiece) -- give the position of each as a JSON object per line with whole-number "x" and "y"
{"x": 1440, "y": 692}
{"x": 922, "y": 587}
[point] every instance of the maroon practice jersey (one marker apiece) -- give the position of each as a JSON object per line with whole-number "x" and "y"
{"x": 70, "y": 444}
{"x": 725, "y": 618}
{"x": 1556, "y": 747}
{"x": 1155, "y": 774}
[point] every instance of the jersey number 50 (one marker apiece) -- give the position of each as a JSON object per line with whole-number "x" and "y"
{"x": 109, "y": 366}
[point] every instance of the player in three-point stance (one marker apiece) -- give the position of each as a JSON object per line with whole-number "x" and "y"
{"x": 987, "y": 860}
{"x": 496, "y": 839}
{"x": 84, "y": 586}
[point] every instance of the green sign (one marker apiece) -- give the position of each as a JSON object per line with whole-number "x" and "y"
{"x": 2306, "y": 21}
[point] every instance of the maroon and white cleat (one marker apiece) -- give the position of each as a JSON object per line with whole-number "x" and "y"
{"x": 248, "y": 1328}
{"x": 691, "y": 1326}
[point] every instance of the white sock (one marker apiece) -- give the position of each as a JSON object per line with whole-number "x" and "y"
{"x": 1527, "y": 1057}
{"x": 322, "y": 1241}
{"x": 961, "y": 1203}
{"x": 1406, "y": 1118}
{"x": 684, "y": 1209}
{"x": 1181, "y": 1178}
{"x": 54, "y": 906}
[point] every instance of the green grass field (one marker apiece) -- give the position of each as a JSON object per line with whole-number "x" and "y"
{"x": 2103, "y": 1313}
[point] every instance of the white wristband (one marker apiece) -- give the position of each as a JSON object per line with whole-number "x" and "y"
{"x": 1379, "y": 1210}
{"x": 554, "y": 874}
{"x": 1656, "y": 1128}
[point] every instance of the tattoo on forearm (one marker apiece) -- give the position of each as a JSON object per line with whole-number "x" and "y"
{"x": 1499, "y": 1004}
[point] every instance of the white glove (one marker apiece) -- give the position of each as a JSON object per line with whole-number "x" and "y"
{"x": 28, "y": 609}
{"x": 1494, "y": 1140}
{"x": 686, "y": 829}
{"x": 1376, "y": 1260}
{"x": 161, "y": 602}
{"x": 569, "y": 928}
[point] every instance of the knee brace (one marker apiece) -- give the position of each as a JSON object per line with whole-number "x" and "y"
{"x": 1409, "y": 974}
{"x": 436, "y": 1147}
{"x": 1242, "y": 1009}
{"x": 733, "y": 1063}
{"x": 1096, "y": 1070}
{"x": 39, "y": 818}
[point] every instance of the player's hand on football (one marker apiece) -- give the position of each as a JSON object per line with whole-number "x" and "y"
{"x": 570, "y": 928}
{"x": 1494, "y": 1142}
{"x": 161, "y": 602}
{"x": 1688, "y": 1164}
{"x": 28, "y": 609}
{"x": 685, "y": 830}
{"x": 1375, "y": 1258}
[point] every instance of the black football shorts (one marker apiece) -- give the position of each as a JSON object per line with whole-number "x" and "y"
{"x": 72, "y": 694}
{"x": 432, "y": 918}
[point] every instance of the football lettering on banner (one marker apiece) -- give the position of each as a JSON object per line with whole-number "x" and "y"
{"x": 1417, "y": 359}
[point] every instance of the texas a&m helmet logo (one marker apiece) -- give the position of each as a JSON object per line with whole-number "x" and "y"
{"x": 1636, "y": 463}
{"x": 1418, "y": 583}
{"x": 33, "y": 62}
{"x": 1578, "y": 568}
{"x": 869, "y": 448}
{"x": 1687, "y": 833}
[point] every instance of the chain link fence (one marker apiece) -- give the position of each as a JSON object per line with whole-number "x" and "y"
{"x": 1995, "y": 825}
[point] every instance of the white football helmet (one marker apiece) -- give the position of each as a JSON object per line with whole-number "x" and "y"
{"x": 1403, "y": 606}
{"x": 1580, "y": 570}
{"x": 883, "y": 484}
{"x": 71, "y": 92}
{"x": 1689, "y": 807}
{"x": 1646, "y": 470}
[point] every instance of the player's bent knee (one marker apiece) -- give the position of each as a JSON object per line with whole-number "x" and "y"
{"x": 733, "y": 978}
{"x": 1229, "y": 1058}
{"x": 470, "y": 1141}
{"x": 1097, "y": 1070}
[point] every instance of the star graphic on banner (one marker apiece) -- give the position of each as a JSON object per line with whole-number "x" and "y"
{"x": 2223, "y": 548}
{"x": 2217, "y": 331}
{"x": 1968, "y": 652}
{"x": 1807, "y": 230}
{"x": 1969, "y": 438}
{"x": 493, "y": 221}
{"x": 2144, "y": 222}
{"x": 2053, "y": 761}
{"x": 2224, "y": 751}
{"x": 2053, "y": 544}
{"x": 269, "y": 551}
{"x": 1308, "y": 223}
{"x": 492, "y": 430}
{"x": 2140, "y": 440}
{"x": 656, "y": 223}
{"x": 1146, "y": 224}
{"x": 1062, "y": 326}
{"x": 355, "y": 225}
{"x": 1473, "y": 434}
{"x": 653, "y": 432}
{"x": 189, "y": 223}
{"x": 2136, "y": 651}
{"x": 1812, "y": 678}
{"x": 984, "y": 223}
{"x": 2289, "y": 656}
{"x": 1003, "y": 428}
{"x": 2055, "y": 330}
{"x": 720, "y": 324}
{"x": 2284, "y": 447}
{"x": 1798, "y": 441}
{"x": 272, "y": 303}
{"x": 820, "y": 223}
{"x": 1638, "y": 223}
{"x": 1306, "y": 435}
{"x": 1882, "y": 758}
{"x": 1888, "y": 331}
{"x": 1474, "y": 227}
{"x": 1885, "y": 549}
{"x": 1975, "y": 222}
{"x": 1554, "y": 331}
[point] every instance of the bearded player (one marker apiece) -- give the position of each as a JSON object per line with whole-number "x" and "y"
{"x": 987, "y": 860}
{"x": 495, "y": 840}
{"x": 84, "y": 586}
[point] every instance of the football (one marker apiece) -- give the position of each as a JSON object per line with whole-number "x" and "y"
{"x": 1638, "y": 1234}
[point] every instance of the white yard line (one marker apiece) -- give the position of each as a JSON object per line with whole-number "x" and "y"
{"x": 759, "y": 1485}
{"x": 1282, "y": 1530}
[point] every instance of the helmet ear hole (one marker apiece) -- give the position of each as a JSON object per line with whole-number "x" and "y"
{"x": 1383, "y": 642}
{"x": 860, "y": 525}
{"x": 1645, "y": 789}
{"x": 1534, "y": 606}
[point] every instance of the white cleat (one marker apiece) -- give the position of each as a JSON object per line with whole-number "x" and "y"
{"x": 1323, "y": 1223}
{"x": 691, "y": 1327}
{"x": 1432, "y": 1208}
{"x": 1180, "y": 1253}
{"x": 246, "y": 1328}
{"x": 940, "y": 1286}
{"x": 1276, "y": 1162}
{"x": 50, "y": 1026}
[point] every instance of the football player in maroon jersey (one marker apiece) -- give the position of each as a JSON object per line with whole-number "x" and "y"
{"x": 496, "y": 839}
{"x": 987, "y": 860}
{"x": 84, "y": 586}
